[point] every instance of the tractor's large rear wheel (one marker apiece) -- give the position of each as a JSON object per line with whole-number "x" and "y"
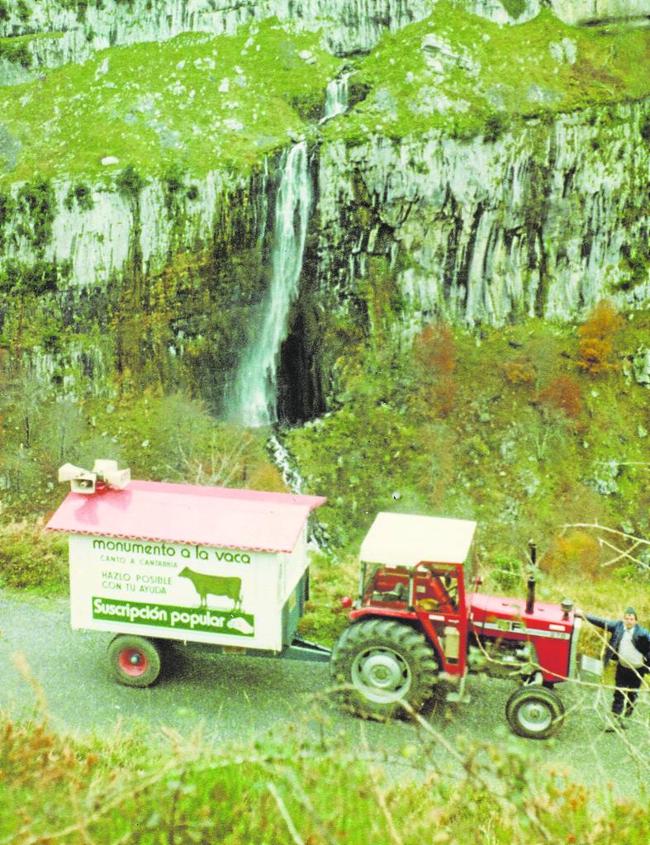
{"x": 383, "y": 665}
{"x": 135, "y": 661}
{"x": 535, "y": 712}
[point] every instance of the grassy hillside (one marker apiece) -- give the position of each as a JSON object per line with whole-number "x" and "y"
{"x": 464, "y": 75}
{"x": 513, "y": 427}
{"x": 197, "y": 101}
{"x": 526, "y": 430}
{"x": 536, "y": 431}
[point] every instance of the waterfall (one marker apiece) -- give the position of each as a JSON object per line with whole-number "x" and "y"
{"x": 254, "y": 394}
{"x": 336, "y": 97}
{"x": 317, "y": 537}
{"x": 282, "y": 460}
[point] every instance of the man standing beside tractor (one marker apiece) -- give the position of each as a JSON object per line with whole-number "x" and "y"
{"x": 629, "y": 646}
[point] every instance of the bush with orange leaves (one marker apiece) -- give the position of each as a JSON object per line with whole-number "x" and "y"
{"x": 435, "y": 356}
{"x": 520, "y": 371}
{"x": 597, "y": 339}
{"x": 562, "y": 394}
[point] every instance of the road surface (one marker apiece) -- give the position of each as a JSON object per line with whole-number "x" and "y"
{"x": 236, "y": 699}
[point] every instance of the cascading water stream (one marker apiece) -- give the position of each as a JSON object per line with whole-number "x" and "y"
{"x": 283, "y": 462}
{"x": 254, "y": 395}
{"x": 336, "y": 97}
{"x": 318, "y": 538}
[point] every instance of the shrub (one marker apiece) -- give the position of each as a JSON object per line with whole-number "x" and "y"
{"x": 645, "y": 129}
{"x": 562, "y": 394}
{"x": 604, "y": 321}
{"x": 266, "y": 477}
{"x": 82, "y": 195}
{"x": 6, "y": 210}
{"x": 16, "y": 53}
{"x": 297, "y": 786}
{"x": 174, "y": 179}
{"x": 495, "y": 125}
{"x": 31, "y": 558}
{"x": 130, "y": 183}
{"x": 515, "y": 8}
{"x": 506, "y": 572}
{"x": 595, "y": 354}
{"x": 519, "y": 371}
{"x": 597, "y": 339}
{"x": 36, "y": 203}
{"x": 158, "y": 437}
{"x": 173, "y": 184}
{"x": 24, "y": 12}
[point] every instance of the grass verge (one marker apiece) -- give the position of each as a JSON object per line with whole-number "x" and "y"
{"x": 290, "y": 789}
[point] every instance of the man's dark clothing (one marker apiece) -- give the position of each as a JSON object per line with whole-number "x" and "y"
{"x": 627, "y": 683}
{"x": 627, "y": 680}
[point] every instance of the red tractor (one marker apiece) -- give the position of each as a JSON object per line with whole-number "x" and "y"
{"x": 414, "y": 624}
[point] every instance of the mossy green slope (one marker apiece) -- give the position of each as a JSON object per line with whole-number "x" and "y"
{"x": 462, "y": 74}
{"x": 504, "y": 428}
{"x": 201, "y": 101}
{"x": 224, "y": 101}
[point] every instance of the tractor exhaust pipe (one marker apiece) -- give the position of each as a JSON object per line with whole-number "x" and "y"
{"x": 530, "y": 594}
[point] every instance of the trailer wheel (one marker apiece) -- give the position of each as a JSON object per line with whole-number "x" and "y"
{"x": 384, "y": 665}
{"x": 135, "y": 661}
{"x": 535, "y": 712}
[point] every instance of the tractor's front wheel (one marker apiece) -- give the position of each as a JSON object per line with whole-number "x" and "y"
{"x": 535, "y": 712}
{"x": 383, "y": 665}
{"x": 135, "y": 661}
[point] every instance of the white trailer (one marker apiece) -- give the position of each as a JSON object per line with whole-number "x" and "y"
{"x": 152, "y": 562}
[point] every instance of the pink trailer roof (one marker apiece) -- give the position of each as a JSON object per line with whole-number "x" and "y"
{"x": 183, "y": 513}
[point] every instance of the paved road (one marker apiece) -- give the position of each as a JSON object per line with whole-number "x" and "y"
{"x": 236, "y": 699}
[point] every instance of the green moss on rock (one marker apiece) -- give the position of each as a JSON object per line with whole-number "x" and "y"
{"x": 36, "y": 206}
{"x": 16, "y": 51}
{"x": 203, "y": 102}
{"x": 465, "y": 75}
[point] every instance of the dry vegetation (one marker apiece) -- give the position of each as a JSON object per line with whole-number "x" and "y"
{"x": 292, "y": 789}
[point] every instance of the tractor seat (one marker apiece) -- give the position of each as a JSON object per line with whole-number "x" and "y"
{"x": 398, "y": 593}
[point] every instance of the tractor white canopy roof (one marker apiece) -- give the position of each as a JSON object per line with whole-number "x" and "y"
{"x": 401, "y": 539}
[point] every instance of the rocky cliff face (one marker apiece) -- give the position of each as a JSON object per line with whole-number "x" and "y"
{"x": 99, "y": 238}
{"x": 68, "y": 34}
{"x": 592, "y": 11}
{"x": 159, "y": 287}
{"x": 541, "y": 221}
{"x": 138, "y": 193}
